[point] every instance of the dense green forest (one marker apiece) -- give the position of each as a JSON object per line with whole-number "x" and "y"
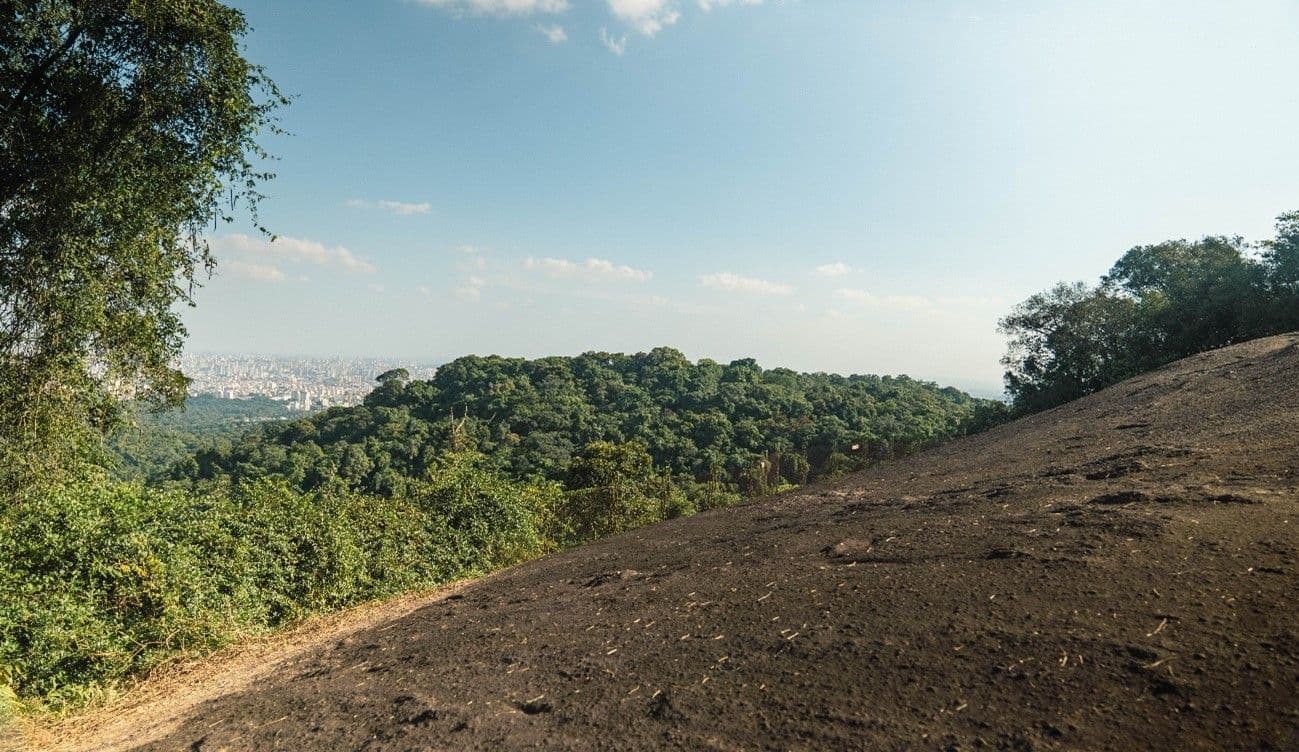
{"x": 706, "y": 426}
{"x": 1157, "y": 304}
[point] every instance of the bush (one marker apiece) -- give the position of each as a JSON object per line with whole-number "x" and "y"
{"x": 487, "y": 520}
{"x": 106, "y": 580}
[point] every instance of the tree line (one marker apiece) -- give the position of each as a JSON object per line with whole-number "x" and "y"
{"x": 1157, "y": 304}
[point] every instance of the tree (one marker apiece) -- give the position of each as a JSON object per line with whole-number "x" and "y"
{"x": 611, "y": 490}
{"x": 1194, "y": 296}
{"x": 1067, "y": 342}
{"x": 1158, "y": 303}
{"x": 1281, "y": 262}
{"x": 127, "y": 128}
{"x": 391, "y": 385}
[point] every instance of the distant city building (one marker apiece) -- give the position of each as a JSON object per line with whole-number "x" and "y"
{"x": 303, "y": 384}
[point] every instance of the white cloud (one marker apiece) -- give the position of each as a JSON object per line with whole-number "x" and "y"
{"x": 405, "y": 209}
{"x": 735, "y": 283}
{"x": 646, "y": 16}
{"x": 400, "y": 208}
{"x": 837, "y": 269}
{"x": 253, "y": 270}
{"x": 424, "y": 291}
{"x": 592, "y": 268}
{"x": 498, "y": 7}
{"x": 616, "y": 45}
{"x": 941, "y": 304}
{"x": 554, "y": 32}
{"x": 290, "y": 250}
{"x": 375, "y": 288}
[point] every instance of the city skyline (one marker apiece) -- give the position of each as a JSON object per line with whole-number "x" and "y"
{"x": 304, "y": 383}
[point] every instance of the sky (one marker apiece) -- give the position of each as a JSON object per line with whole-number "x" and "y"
{"x": 856, "y": 187}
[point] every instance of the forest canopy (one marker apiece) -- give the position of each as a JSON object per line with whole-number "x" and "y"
{"x": 738, "y": 425}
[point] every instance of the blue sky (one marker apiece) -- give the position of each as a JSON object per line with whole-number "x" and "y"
{"x": 825, "y": 185}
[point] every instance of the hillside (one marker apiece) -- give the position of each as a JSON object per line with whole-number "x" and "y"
{"x": 1116, "y": 573}
{"x": 747, "y": 428}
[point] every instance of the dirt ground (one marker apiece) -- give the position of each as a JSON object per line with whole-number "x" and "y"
{"x": 1118, "y": 573}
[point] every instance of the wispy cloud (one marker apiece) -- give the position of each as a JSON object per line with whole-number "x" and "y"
{"x": 729, "y": 282}
{"x": 649, "y": 17}
{"x": 837, "y": 269}
{"x": 963, "y": 305}
{"x": 554, "y": 32}
{"x": 592, "y": 268}
{"x": 472, "y": 263}
{"x": 498, "y": 7}
{"x": 400, "y": 208}
{"x": 253, "y": 270}
{"x": 646, "y": 16}
{"x": 617, "y": 45}
{"x": 250, "y": 250}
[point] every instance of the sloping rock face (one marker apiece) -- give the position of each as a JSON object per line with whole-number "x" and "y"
{"x": 1118, "y": 573}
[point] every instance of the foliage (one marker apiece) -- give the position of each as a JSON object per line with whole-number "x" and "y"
{"x": 748, "y": 429}
{"x": 494, "y": 461}
{"x": 617, "y": 489}
{"x": 105, "y": 580}
{"x": 1067, "y": 342}
{"x": 126, "y": 129}
{"x": 1281, "y": 273}
{"x": 1157, "y": 304}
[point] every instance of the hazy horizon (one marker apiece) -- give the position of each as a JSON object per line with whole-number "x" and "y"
{"x": 825, "y": 187}
{"x": 986, "y": 390}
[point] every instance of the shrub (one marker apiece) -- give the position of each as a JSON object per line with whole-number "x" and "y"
{"x": 106, "y": 580}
